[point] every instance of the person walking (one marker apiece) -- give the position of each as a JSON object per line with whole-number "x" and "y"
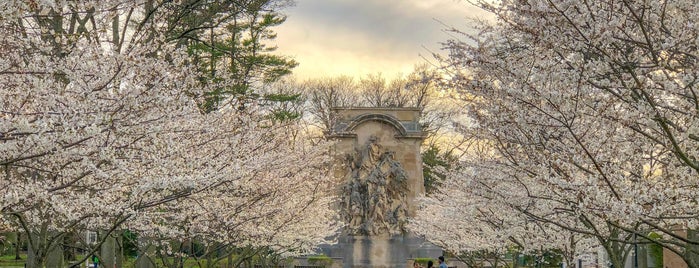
{"x": 442, "y": 263}
{"x": 95, "y": 261}
{"x": 430, "y": 264}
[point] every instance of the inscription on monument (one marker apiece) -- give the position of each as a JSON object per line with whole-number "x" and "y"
{"x": 377, "y": 186}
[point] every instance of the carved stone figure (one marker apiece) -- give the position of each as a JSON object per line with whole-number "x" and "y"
{"x": 376, "y": 187}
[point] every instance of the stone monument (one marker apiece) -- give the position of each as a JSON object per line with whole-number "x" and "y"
{"x": 380, "y": 169}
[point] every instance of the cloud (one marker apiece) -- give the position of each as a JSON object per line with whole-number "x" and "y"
{"x": 349, "y": 37}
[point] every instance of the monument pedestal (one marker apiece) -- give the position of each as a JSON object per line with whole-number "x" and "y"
{"x": 380, "y": 251}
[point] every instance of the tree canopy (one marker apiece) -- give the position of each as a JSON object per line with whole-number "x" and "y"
{"x": 106, "y": 125}
{"x": 586, "y": 113}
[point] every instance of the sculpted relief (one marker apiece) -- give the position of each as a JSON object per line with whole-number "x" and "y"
{"x": 376, "y": 191}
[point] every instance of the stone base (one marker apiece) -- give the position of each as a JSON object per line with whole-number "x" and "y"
{"x": 380, "y": 251}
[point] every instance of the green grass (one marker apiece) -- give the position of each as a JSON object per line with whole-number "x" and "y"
{"x": 9, "y": 261}
{"x": 423, "y": 261}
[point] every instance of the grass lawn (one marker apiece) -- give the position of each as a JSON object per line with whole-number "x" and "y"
{"x": 9, "y": 261}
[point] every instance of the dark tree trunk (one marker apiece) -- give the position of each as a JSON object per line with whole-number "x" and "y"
{"x": 18, "y": 246}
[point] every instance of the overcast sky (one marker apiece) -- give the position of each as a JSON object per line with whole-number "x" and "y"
{"x": 359, "y": 37}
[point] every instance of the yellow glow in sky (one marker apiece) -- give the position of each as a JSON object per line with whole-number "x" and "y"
{"x": 355, "y": 38}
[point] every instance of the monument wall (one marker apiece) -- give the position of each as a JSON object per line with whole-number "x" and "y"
{"x": 379, "y": 165}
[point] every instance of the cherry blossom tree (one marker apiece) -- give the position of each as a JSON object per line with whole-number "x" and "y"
{"x": 101, "y": 128}
{"x": 588, "y": 111}
{"x": 277, "y": 200}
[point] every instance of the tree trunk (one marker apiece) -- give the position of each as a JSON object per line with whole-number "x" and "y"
{"x": 120, "y": 250}
{"x": 69, "y": 253}
{"x": 54, "y": 254}
{"x": 615, "y": 252}
{"x": 36, "y": 258}
{"x": 35, "y": 263}
{"x": 18, "y": 246}
{"x": 36, "y": 253}
{"x": 107, "y": 252}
